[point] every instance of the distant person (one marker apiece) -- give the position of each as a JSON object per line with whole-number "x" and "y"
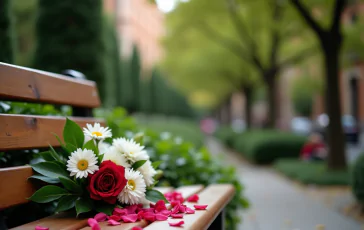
{"x": 314, "y": 149}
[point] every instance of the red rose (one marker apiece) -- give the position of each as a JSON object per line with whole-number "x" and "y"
{"x": 107, "y": 182}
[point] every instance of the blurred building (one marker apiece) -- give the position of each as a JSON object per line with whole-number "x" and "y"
{"x": 138, "y": 22}
{"x": 351, "y": 78}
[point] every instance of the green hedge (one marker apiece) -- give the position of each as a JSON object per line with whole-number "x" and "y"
{"x": 226, "y": 135}
{"x": 265, "y": 146}
{"x": 357, "y": 179}
{"x": 311, "y": 172}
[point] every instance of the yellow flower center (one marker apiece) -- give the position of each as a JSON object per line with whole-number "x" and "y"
{"x": 97, "y": 133}
{"x": 131, "y": 183}
{"x": 82, "y": 165}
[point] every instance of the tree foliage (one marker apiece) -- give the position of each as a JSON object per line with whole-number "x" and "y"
{"x": 69, "y": 36}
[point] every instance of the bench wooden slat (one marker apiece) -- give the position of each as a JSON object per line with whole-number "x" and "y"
{"x": 30, "y": 85}
{"x": 215, "y": 196}
{"x": 26, "y": 131}
{"x": 186, "y": 192}
{"x": 14, "y": 186}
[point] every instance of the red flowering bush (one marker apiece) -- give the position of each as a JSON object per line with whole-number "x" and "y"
{"x": 107, "y": 182}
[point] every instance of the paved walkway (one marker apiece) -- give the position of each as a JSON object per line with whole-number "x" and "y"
{"x": 276, "y": 203}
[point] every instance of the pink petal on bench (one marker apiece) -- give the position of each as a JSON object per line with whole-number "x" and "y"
{"x": 137, "y": 228}
{"x": 165, "y": 212}
{"x": 113, "y": 222}
{"x": 200, "y": 207}
{"x": 175, "y": 202}
{"x": 41, "y": 228}
{"x": 115, "y": 217}
{"x": 193, "y": 198}
{"x": 91, "y": 222}
{"x": 100, "y": 217}
{"x": 131, "y": 209}
{"x": 160, "y": 206}
{"x": 131, "y": 218}
{"x": 160, "y": 217}
{"x": 176, "y": 224}
{"x": 149, "y": 216}
{"x": 182, "y": 208}
{"x": 177, "y": 216}
{"x": 148, "y": 210}
{"x": 96, "y": 227}
{"x": 175, "y": 209}
{"x": 120, "y": 211}
{"x": 190, "y": 211}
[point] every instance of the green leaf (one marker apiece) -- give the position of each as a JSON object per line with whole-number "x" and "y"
{"x": 45, "y": 179}
{"x": 72, "y": 134}
{"x": 83, "y": 205}
{"x": 54, "y": 153}
{"x": 155, "y": 195}
{"x": 62, "y": 145}
{"x": 156, "y": 164}
{"x": 50, "y": 169}
{"x": 104, "y": 207}
{"x": 71, "y": 185}
{"x": 138, "y": 164}
{"x": 90, "y": 145}
{"x": 48, "y": 193}
{"x": 66, "y": 203}
{"x": 47, "y": 155}
{"x": 70, "y": 147}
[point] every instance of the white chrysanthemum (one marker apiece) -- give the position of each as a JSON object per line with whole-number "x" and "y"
{"x": 148, "y": 173}
{"x": 103, "y": 147}
{"x": 113, "y": 155}
{"x": 82, "y": 162}
{"x": 134, "y": 191}
{"x": 97, "y": 131}
{"x": 131, "y": 150}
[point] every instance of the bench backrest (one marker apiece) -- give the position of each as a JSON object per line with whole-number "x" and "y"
{"x": 19, "y": 132}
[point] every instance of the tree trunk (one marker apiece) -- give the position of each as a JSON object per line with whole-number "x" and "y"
{"x": 272, "y": 100}
{"x": 336, "y": 158}
{"x": 248, "y": 106}
{"x": 228, "y": 111}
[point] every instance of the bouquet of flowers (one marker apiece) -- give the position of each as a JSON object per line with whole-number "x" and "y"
{"x": 89, "y": 174}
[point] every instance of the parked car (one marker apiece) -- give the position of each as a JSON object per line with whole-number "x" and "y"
{"x": 301, "y": 125}
{"x": 349, "y": 123}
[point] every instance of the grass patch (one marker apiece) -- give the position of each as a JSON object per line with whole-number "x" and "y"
{"x": 311, "y": 172}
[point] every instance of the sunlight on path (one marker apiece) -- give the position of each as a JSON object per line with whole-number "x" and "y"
{"x": 276, "y": 204}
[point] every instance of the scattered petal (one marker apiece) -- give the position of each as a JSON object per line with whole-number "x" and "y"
{"x": 113, "y": 222}
{"x": 115, "y": 217}
{"x": 96, "y": 227}
{"x": 91, "y": 222}
{"x": 176, "y": 224}
{"x": 160, "y": 217}
{"x": 149, "y": 216}
{"x": 99, "y": 217}
{"x": 41, "y": 228}
{"x": 148, "y": 209}
{"x": 200, "y": 207}
{"x": 182, "y": 208}
{"x": 175, "y": 209}
{"x": 131, "y": 209}
{"x": 177, "y": 216}
{"x": 140, "y": 215}
{"x": 165, "y": 212}
{"x": 120, "y": 211}
{"x": 131, "y": 218}
{"x": 190, "y": 211}
{"x": 160, "y": 206}
{"x": 151, "y": 205}
{"x": 137, "y": 228}
{"x": 193, "y": 198}
{"x": 175, "y": 202}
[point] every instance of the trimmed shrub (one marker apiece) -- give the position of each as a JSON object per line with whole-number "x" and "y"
{"x": 311, "y": 172}
{"x": 357, "y": 179}
{"x": 226, "y": 135}
{"x": 265, "y": 146}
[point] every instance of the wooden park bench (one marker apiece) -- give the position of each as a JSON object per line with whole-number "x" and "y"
{"x": 20, "y": 132}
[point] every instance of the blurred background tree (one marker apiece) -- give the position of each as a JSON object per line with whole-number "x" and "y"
{"x": 6, "y": 33}
{"x": 69, "y": 36}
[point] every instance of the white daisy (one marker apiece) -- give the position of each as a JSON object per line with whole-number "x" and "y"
{"x": 82, "y": 162}
{"x": 113, "y": 155}
{"x": 148, "y": 173}
{"x": 134, "y": 191}
{"x": 97, "y": 131}
{"x": 103, "y": 147}
{"x": 132, "y": 150}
